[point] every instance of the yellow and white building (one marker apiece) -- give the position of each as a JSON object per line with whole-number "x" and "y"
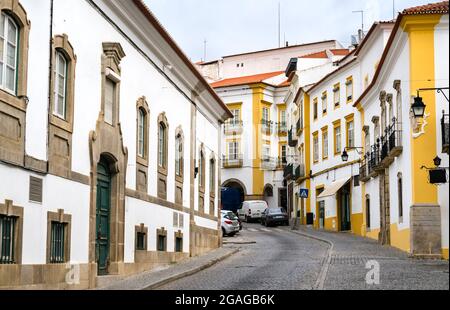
{"x": 400, "y": 206}
{"x": 253, "y": 86}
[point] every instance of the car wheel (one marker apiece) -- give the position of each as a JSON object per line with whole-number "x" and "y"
{"x": 224, "y": 234}
{"x": 232, "y": 234}
{"x": 266, "y": 224}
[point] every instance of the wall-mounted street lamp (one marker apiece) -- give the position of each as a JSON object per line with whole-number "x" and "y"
{"x": 437, "y": 175}
{"x": 344, "y": 155}
{"x": 418, "y": 107}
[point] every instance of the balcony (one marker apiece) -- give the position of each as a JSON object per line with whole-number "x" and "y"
{"x": 364, "y": 169}
{"x": 299, "y": 172}
{"x": 282, "y": 128}
{"x": 232, "y": 161}
{"x": 445, "y": 133}
{"x": 292, "y": 138}
{"x": 233, "y": 127}
{"x": 374, "y": 161}
{"x": 269, "y": 163}
{"x": 266, "y": 127}
{"x": 288, "y": 173}
{"x": 391, "y": 143}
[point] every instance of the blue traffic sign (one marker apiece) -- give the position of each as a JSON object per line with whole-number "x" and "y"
{"x": 304, "y": 193}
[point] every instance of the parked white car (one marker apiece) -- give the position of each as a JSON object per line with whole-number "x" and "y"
{"x": 230, "y": 223}
{"x": 252, "y": 210}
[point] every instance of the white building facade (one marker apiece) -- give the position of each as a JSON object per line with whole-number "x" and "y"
{"x": 109, "y": 161}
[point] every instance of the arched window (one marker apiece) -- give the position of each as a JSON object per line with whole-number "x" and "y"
{"x": 60, "y": 85}
{"x": 142, "y": 120}
{"x": 163, "y": 136}
{"x": 179, "y": 155}
{"x": 9, "y": 40}
{"x": 142, "y": 123}
{"x": 162, "y": 145}
{"x": 201, "y": 170}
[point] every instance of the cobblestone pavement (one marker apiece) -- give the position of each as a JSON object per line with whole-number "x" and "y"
{"x": 350, "y": 254}
{"x": 279, "y": 260}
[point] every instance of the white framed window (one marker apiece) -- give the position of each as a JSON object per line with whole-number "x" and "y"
{"x": 212, "y": 175}
{"x": 110, "y": 100}
{"x": 9, "y": 39}
{"x": 337, "y": 140}
{"x": 351, "y": 134}
{"x": 284, "y": 153}
{"x": 266, "y": 151}
{"x": 325, "y": 144}
{"x": 60, "y": 87}
{"x": 162, "y": 146}
{"x": 349, "y": 89}
{"x": 316, "y": 148}
{"x": 233, "y": 149}
{"x": 337, "y": 95}
{"x": 178, "y": 155}
{"x": 283, "y": 117}
{"x": 236, "y": 117}
{"x": 141, "y": 133}
{"x": 324, "y": 103}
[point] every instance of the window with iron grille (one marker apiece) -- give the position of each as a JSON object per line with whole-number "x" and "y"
{"x": 57, "y": 243}
{"x": 161, "y": 243}
{"x": 7, "y": 239}
{"x": 140, "y": 241}
{"x": 178, "y": 244}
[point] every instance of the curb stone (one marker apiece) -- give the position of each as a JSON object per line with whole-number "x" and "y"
{"x": 189, "y": 272}
{"x": 325, "y": 263}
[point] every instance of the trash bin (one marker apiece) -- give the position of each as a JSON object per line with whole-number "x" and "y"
{"x": 310, "y": 219}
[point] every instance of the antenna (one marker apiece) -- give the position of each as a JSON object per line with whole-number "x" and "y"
{"x": 362, "y": 19}
{"x": 279, "y": 24}
{"x": 393, "y": 9}
{"x": 204, "y": 49}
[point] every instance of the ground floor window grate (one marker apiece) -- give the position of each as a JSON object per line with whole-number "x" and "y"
{"x": 140, "y": 241}
{"x": 7, "y": 236}
{"x": 178, "y": 244}
{"x": 161, "y": 243}
{"x": 57, "y": 254}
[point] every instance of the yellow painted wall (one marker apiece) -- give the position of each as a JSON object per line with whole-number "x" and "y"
{"x": 445, "y": 253}
{"x": 373, "y": 234}
{"x": 420, "y": 31}
{"x": 400, "y": 238}
{"x": 357, "y": 224}
{"x": 329, "y": 223}
{"x": 258, "y": 174}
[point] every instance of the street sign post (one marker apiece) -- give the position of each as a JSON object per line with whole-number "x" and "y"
{"x": 304, "y": 193}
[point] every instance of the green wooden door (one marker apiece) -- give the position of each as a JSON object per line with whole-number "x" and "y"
{"x": 345, "y": 210}
{"x": 103, "y": 217}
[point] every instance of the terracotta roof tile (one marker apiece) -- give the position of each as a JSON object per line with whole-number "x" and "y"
{"x": 431, "y": 8}
{"x": 252, "y": 79}
{"x": 284, "y": 84}
{"x": 340, "y": 52}
{"x": 322, "y": 54}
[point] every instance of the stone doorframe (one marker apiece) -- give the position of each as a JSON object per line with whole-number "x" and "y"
{"x": 106, "y": 143}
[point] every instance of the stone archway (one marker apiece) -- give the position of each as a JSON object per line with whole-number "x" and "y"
{"x": 236, "y": 184}
{"x": 268, "y": 190}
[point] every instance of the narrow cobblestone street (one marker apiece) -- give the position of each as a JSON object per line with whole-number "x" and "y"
{"x": 281, "y": 260}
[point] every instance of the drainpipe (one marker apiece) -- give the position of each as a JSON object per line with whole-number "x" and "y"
{"x": 50, "y": 90}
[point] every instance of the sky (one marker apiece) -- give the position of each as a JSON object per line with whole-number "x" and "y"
{"x": 236, "y": 26}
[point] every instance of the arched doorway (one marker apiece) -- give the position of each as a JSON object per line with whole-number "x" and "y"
{"x": 268, "y": 191}
{"x": 103, "y": 216}
{"x": 237, "y": 185}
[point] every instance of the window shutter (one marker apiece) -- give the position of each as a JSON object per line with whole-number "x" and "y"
{"x": 35, "y": 193}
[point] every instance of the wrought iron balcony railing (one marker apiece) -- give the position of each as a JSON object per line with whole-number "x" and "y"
{"x": 233, "y": 127}
{"x": 282, "y": 128}
{"x": 233, "y": 161}
{"x": 268, "y": 163}
{"x": 266, "y": 126}
{"x": 299, "y": 172}
{"x": 288, "y": 172}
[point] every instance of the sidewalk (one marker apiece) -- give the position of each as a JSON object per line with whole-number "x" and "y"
{"x": 349, "y": 255}
{"x": 156, "y": 278}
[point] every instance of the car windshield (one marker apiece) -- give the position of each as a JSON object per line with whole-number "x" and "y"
{"x": 276, "y": 211}
{"x": 230, "y": 216}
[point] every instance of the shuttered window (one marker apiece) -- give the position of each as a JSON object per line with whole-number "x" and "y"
{"x": 57, "y": 243}
{"x": 35, "y": 193}
{"x": 7, "y": 239}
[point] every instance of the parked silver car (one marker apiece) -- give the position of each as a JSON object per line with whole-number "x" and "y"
{"x": 230, "y": 223}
